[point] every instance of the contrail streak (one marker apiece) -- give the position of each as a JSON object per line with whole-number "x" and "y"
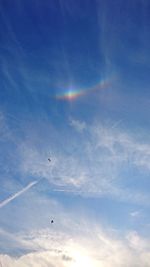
{"x": 9, "y": 199}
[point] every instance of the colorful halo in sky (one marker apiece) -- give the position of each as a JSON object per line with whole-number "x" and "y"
{"x": 72, "y": 93}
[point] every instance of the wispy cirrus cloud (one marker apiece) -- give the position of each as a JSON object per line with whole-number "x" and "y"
{"x": 78, "y": 125}
{"x": 135, "y": 214}
{"x": 123, "y": 146}
{"x": 94, "y": 167}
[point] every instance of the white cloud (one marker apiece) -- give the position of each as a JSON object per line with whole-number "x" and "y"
{"x": 137, "y": 243}
{"x": 135, "y": 214}
{"x": 95, "y": 168}
{"x": 122, "y": 146}
{"x": 90, "y": 245}
{"x": 79, "y": 126}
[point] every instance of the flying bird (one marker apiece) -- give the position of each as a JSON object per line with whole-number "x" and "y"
{"x": 49, "y": 159}
{"x": 52, "y": 221}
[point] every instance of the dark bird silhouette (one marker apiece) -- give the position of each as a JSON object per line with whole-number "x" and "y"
{"x": 52, "y": 221}
{"x": 49, "y": 159}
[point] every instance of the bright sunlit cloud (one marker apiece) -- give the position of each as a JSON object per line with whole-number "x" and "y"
{"x": 93, "y": 247}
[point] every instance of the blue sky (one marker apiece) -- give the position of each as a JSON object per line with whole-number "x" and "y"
{"x": 74, "y": 88}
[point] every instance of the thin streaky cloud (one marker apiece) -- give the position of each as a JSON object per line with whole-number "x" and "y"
{"x": 115, "y": 125}
{"x": 135, "y": 214}
{"x": 106, "y": 151}
{"x": 25, "y": 189}
{"x": 79, "y": 126}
